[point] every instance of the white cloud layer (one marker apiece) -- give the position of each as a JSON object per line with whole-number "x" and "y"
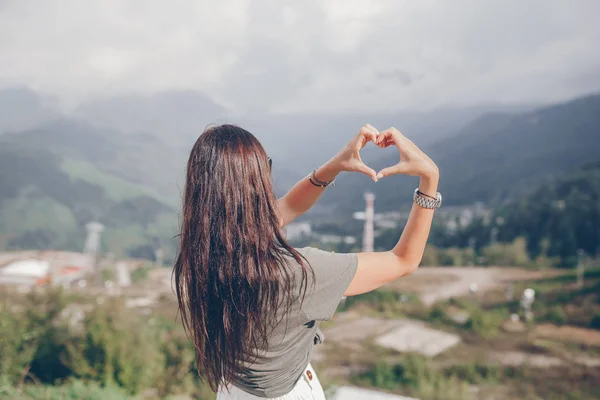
{"x": 327, "y": 55}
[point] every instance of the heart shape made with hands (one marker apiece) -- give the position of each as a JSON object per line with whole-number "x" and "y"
{"x": 412, "y": 160}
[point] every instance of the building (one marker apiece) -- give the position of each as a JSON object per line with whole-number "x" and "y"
{"x": 31, "y": 268}
{"x": 27, "y": 272}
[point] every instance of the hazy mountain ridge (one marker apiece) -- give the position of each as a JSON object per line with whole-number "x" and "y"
{"x": 33, "y": 182}
{"x": 141, "y": 158}
{"x": 22, "y": 108}
{"x": 80, "y": 170}
{"x": 176, "y": 116}
{"x": 493, "y": 159}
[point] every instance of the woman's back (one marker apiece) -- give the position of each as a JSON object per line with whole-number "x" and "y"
{"x": 249, "y": 301}
{"x": 276, "y": 369}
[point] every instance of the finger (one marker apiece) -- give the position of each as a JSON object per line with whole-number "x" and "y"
{"x": 369, "y": 133}
{"x": 386, "y": 143}
{"x": 368, "y": 171}
{"x": 383, "y": 135}
{"x": 400, "y": 168}
{"x": 392, "y": 133}
{"x": 372, "y": 129}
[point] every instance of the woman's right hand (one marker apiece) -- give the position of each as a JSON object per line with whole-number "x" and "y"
{"x": 412, "y": 159}
{"x": 348, "y": 159}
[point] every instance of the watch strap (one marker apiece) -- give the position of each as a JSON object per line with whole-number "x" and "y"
{"x": 427, "y": 201}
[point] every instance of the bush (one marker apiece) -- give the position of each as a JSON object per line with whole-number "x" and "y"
{"x": 511, "y": 255}
{"x": 377, "y": 298}
{"x": 31, "y": 336}
{"x": 107, "y": 274}
{"x": 415, "y": 376}
{"x": 179, "y": 358}
{"x": 595, "y": 322}
{"x": 556, "y": 315}
{"x": 437, "y": 314}
{"x": 140, "y": 274}
{"x": 455, "y": 257}
{"x": 75, "y": 390}
{"x": 383, "y": 376}
{"x": 482, "y": 323}
{"x": 111, "y": 347}
{"x": 431, "y": 256}
{"x": 475, "y": 373}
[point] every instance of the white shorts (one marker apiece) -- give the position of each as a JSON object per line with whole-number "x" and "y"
{"x": 308, "y": 387}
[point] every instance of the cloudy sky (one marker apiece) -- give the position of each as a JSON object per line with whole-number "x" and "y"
{"x": 310, "y": 55}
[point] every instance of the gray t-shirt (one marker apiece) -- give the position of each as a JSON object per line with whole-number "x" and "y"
{"x": 278, "y": 368}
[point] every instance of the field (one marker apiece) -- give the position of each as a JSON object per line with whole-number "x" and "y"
{"x": 556, "y": 355}
{"x": 426, "y": 336}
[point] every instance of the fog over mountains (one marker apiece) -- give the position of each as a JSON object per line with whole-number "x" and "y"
{"x": 173, "y": 120}
{"x": 121, "y": 160}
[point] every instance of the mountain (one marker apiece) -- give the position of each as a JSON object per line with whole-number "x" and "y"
{"x": 296, "y": 142}
{"x": 56, "y": 178}
{"x": 560, "y": 217}
{"x": 22, "y": 108}
{"x": 495, "y": 158}
{"x": 121, "y": 160}
{"x": 141, "y": 159}
{"x": 176, "y": 116}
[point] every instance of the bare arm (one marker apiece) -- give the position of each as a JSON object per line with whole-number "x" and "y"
{"x": 377, "y": 269}
{"x": 304, "y": 194}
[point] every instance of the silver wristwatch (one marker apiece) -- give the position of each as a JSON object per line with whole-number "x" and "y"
{"x": 427, "y": 201}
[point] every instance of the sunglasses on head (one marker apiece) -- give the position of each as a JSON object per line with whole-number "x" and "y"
{"x": 270, "y": 161}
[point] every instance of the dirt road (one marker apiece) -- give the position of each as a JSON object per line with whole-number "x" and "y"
{"x": 433, "y": 284}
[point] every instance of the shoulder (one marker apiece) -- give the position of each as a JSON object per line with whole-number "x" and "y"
{"x": 317, "y": 257}
{"x": 313, "y": 252}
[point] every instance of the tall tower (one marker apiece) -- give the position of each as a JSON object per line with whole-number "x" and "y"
{"x": 368, "y": 236}
{"x": 92, "y": 241}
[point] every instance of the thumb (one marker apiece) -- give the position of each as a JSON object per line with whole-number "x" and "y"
{"x": 368, "y": 171}
{"x": 399, "y": 168}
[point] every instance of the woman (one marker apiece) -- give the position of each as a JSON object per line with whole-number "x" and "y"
{"x": 249, "y": 301}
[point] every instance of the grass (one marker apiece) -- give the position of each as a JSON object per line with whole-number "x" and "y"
{"x": 116, "y": 188}
{"x": 378, "y": 299}
{"x": 74, "y": 390}
{"x": 32, "y": 210}
{"x": 558, "y": 302}
{"x": 413, "y": 376}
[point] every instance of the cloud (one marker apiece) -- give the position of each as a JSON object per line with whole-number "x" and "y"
{"x": 314, "y": 55}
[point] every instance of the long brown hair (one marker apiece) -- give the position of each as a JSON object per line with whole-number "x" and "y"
{"x": 231, "y": 273}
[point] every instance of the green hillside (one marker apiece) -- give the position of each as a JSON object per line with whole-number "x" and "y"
{"x": 559, "y": 218}
{"x": 140, "y": 159}
{"x": 46, "y": 200}
{"x": 116, "y": 188}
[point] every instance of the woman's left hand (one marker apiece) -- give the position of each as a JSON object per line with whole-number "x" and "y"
{"x": 348, "y": 159}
